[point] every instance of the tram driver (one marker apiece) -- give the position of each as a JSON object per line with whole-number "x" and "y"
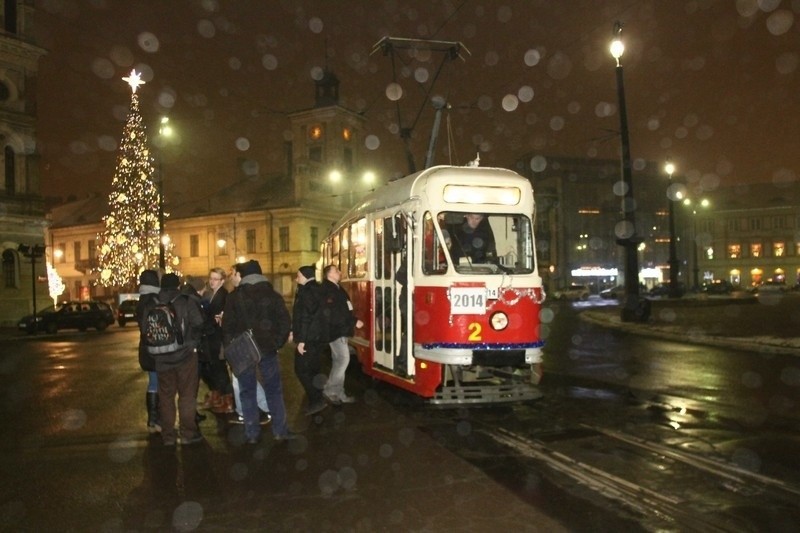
{"x": 474, "y": 239}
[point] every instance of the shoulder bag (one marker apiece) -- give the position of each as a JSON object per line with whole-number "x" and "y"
{"x": 242, "y": 353}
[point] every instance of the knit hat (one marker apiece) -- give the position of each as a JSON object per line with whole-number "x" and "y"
{"x": 248, "y": 268}
{"x": 170, "y": 281}
{"x": 149, "y": 277}
{"x": 308, "y": 271}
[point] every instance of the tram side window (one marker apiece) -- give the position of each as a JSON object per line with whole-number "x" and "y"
{"x": 335, "y": 250}
{"x": 434, "y": 260}
{"x": 378, "y": 228}
{"x": 358, "y": 249}
{"x": 388, "y": 237}
{"x": 344, "y": 249}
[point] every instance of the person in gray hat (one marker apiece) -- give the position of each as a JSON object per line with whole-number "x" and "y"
{"x": 255, "y": 305}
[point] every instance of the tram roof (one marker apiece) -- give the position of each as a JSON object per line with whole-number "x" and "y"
{"x": 414, "y": 185}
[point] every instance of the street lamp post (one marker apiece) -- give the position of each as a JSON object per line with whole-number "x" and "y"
{"x": 674, "y": 264}
{"x": 163, "y": 130}
{"x": 695, "y": 244}
{"x": 633, "y": 308}
{"x": 33, "y": 252}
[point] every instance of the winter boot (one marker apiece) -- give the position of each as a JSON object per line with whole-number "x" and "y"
{"x": 212, "y": 400}
{"x": 153, "y": 423}
{"x": 225, "y": 405}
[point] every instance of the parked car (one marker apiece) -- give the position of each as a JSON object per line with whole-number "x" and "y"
{"x": 772, "y": 286}
{"x": 69, "y": 315}
{"x": 573, "y": 292}
{"x": 613, "y": 293}
{"x": 126, "y": 312}
{"x": 663, "y": 289}
{"x": 771, "y": 291}
{"x": 718, "y": 286}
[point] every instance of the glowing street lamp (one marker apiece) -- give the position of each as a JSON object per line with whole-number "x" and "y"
{"x": 702, "y": 204}
{"x": 626, "y": 234}
{"x": 674, "y": 264}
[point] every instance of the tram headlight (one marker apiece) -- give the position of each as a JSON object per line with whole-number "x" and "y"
{"x": 499, "y": 321}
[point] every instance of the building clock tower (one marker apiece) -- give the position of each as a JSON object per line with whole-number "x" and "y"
{"x": 327, "y": 140}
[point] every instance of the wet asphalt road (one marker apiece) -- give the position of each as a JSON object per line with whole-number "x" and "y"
{"x": 76, "y": 458}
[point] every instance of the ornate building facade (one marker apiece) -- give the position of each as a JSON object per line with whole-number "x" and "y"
{"x": 22, "y": 218}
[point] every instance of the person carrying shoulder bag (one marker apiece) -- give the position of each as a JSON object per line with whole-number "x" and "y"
{"x": 255, "y": 305}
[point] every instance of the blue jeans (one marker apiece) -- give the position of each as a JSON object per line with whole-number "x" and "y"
{"x": 152, "y": 382}
{"x": 340, "y": 358}
{"x": 273, "y": 387}
{"x": 260, "y": 395}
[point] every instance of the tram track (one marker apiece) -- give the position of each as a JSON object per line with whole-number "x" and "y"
{"x": 662, "y": 487}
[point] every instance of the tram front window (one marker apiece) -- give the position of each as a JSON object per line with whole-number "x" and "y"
{"x": 489, "y": 243}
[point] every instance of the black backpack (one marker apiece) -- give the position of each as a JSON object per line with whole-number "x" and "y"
{"x": 162, "y": 330}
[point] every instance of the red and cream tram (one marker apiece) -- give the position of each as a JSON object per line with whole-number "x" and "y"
{"x": 441, "y": 268}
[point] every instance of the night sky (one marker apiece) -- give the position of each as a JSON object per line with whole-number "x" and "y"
{"x": 713, "y": 85}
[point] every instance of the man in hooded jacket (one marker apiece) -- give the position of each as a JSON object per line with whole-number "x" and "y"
{"x": 255, "y": 305}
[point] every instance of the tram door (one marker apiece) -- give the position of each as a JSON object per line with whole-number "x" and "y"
{"x": 391, "y": 238}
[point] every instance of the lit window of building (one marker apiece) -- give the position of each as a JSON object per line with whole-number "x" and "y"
{"x": 283, "y": 239}
{"x": 779, "y": 249}
{"x": 755, "y": 250}
{"x": 250, "y": 241}
{"x": 734, "y": 251}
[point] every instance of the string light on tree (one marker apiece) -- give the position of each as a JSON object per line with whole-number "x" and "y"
{"x": 129, "y": 242}
{"x": 54, "y": 283}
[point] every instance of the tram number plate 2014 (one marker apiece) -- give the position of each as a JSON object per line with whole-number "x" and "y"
{"x": 468, "y": 300}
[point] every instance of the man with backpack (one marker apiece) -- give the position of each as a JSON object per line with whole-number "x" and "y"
{"x": 171, "y": 328}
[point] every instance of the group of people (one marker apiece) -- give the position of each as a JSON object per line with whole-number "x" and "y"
{"x": 209, "y": 318}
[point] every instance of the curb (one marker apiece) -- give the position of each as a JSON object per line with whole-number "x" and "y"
{"x": 756, "y": 344}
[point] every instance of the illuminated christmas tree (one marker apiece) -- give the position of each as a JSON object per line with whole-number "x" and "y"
{"x": 54, "y": 283}
{"x": 130, "y": 241}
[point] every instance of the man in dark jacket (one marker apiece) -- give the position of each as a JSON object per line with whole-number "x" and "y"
{"x": 177, "y": 371}
{"x": 341, "y": 323}
{"x": 255, "y": 305}
{"x": 306, "y": 333}
{"x": 474, "y": 239}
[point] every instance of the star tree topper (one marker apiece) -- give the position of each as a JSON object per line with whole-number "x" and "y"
{"x": 134, "y": 79}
